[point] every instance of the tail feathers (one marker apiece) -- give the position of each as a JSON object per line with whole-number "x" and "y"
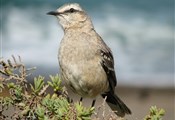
{"x": 116, "y": 104}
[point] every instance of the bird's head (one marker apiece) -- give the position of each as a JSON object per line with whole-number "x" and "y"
{"x": 71, "y": 15}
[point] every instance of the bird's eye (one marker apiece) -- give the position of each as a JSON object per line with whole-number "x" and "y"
{"x": 72, "y": 10}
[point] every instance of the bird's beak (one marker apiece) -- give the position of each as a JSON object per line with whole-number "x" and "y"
{"x": 53, "y": 13}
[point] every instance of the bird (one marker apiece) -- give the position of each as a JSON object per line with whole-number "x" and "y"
{"x": 86, "y": 62}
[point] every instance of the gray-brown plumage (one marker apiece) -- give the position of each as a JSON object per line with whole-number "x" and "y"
{"x": 86, "y": 62}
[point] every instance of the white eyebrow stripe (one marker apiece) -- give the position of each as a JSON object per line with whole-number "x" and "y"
{"x": 68, "y": 7}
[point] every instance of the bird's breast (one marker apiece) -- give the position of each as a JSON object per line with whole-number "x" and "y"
{"x": 82, "y": 70}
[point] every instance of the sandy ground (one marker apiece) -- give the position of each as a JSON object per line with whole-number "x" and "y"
{"x": 138, "y": 100}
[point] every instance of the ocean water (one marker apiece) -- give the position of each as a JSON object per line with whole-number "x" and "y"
{"x": 140, "y": 34}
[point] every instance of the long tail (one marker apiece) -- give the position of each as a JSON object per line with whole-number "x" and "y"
{"x": 116, "y": 104}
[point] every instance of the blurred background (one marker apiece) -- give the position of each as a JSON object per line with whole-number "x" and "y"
{"x": 140, "y": 34}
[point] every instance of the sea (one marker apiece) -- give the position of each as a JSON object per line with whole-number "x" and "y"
{"x": 140, "y": 34}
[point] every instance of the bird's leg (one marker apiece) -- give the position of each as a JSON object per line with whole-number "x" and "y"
{"x": 70, "y": 100}
{"x": 93, "y": 103}
{"x": 81, "y": 99}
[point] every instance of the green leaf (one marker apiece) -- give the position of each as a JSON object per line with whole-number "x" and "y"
{"x": 155, "y": 114}
{"x": 18, "y": 93}
{"x": 11, "y": 85}
{"x": 83, "y": 112}
{"x": 38, "y": 84}
{"x": 55, "y": 83}
{"x": 1, "y": 85}
{"x": 40, "y": 111}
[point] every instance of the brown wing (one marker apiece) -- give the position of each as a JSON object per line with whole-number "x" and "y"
{"x": 108, "y": 64}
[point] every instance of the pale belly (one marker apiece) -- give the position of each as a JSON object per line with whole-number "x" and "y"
{"x": 85, "y": 78}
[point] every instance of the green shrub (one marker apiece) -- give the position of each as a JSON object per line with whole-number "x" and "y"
{"x": 33, "y": 102}
{"x": 155, "y": 114}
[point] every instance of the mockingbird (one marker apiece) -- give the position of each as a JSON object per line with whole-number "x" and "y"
{"x": 86, "y": 62}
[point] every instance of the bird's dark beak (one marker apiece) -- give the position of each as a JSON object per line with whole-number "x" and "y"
{"x": 53, "y": 13}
